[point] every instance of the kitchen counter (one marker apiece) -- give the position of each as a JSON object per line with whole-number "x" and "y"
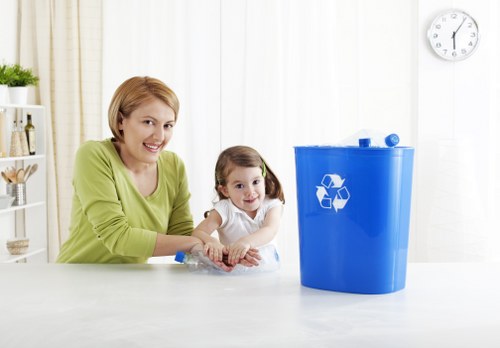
{"x": 55, "y": 305}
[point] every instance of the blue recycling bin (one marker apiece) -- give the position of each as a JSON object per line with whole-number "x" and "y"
{"x": 354, "y": 216}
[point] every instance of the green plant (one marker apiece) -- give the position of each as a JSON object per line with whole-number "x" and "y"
{"x": 17, "y": 76}
{"x": 5, "y": 74}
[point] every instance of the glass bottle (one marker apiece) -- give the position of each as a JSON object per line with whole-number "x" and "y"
{"x": 30, "y": 135}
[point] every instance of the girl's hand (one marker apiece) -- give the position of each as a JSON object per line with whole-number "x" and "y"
{"x": 214, "y": 251}
{"x": 237, "y": 252}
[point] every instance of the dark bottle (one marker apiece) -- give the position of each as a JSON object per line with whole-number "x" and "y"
{"x": 31, "y": 135}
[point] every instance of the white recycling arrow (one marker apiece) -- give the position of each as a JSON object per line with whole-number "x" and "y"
{"x": 335, "y": 181}
{"x": 341, "y": 198}
{"x": 320, "y": 194}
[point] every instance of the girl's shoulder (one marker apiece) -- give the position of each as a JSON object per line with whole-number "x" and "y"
{"x": 270, "y": 203}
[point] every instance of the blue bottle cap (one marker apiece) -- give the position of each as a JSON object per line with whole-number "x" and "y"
{"x": 365, "y": 142}
{"x": 179, "y": 256}
{"x": 392, "y": 140}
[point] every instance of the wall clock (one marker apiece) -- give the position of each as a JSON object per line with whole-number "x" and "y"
{"x": 454, "y": 35}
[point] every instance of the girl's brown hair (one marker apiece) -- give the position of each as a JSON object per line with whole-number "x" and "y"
{"x": 131, "y": 94}
{"x": 244, "y": 156}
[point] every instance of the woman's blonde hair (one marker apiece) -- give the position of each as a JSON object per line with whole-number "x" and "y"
{"x": 131, "y": 94}
{"x": 244, "y": 156}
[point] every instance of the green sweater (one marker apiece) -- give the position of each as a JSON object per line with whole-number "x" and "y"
{"x": 111, "y": 222}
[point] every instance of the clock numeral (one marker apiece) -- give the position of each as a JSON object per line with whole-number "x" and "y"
{"x": 469, "y": 25}
{"x": 471, "y": 44}
{"x": 438, "y": 44}
{"x": 438, "y": 26}
{"x": 463, "y": 51}
{"x": 472, "y": 34}
{"x": 453, "y": 16}
{"x": 434, "y": 36}
{"x": 445, "y": 51}
{"x": 454, "y": 53}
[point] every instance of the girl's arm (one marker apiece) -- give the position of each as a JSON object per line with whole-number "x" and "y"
{"x": 213, "y": 248}
{"x": 264, "y": 235}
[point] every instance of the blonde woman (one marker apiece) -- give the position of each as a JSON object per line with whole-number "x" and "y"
{"x": 131, "y": 198}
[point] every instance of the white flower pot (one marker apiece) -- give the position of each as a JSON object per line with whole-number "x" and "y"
{"x": 18, "y": 95}
{"x": 4, "y": 94}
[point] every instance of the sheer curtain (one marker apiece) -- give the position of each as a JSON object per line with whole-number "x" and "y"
{"x": 275, "y": 74}
{"x": 62, "y": 41}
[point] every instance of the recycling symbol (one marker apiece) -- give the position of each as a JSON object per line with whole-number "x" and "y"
{"x": 332, "y": 185}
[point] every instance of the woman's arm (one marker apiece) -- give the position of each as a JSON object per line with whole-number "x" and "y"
{"x": 169, "y": 245}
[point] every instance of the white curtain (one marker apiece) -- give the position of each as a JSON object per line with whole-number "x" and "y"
{"x": 62, "y": 41}
{"x": 274, "y": 74}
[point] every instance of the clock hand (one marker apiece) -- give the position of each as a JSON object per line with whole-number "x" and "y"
{"x": 463, "y": 21}
{"x": 455, "y": 32}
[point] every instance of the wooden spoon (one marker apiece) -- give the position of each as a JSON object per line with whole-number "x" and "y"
{"x": 26, "y": 172}
{"x": 20, "y": 176}
{"x": 11, "y": 174}
{"x": 32, "y": 171}
{"x": 4, "y": 176}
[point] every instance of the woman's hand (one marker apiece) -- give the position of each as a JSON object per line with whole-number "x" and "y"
{"x": 251, "y": 258}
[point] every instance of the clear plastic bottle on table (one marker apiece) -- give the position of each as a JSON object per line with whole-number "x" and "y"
{"x": 198, "y": 262}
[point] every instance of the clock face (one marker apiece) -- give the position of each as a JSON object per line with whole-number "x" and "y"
{"x": 454, "y": 35}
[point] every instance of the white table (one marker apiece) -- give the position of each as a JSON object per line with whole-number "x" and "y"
{"x": 52, "y": 305}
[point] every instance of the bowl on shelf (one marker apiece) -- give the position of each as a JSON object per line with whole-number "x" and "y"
{"x": 18, "y": 246}
{"x": 6, "y": 201}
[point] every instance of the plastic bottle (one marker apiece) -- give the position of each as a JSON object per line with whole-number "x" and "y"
{"x": 371, "y": 138}
{"x": 198, "y": 262}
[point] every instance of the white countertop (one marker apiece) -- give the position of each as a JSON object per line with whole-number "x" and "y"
{"x": 53, "y": 305}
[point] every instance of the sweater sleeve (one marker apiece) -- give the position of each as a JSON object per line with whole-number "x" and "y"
{"x": 181, "y": 219}
{"x": 95, "y": 186}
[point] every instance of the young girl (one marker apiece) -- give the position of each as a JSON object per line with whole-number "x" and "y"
{"x": 249, "y": 209}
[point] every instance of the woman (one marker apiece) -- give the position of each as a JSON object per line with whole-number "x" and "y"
{"x": 131, "y": 199}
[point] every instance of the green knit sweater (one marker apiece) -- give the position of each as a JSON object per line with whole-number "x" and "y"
{"x": 111, "y": 222}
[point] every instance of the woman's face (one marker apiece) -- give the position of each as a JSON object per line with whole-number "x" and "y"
{"x": 146, "y": 131}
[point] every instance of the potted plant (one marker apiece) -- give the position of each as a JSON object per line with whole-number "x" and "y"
{"x": 18, "y": 80}
{"x": 4, "y": 82}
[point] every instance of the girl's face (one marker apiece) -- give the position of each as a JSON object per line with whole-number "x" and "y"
{"x": 246, "y": 188}
{"x": 146, "y": 132}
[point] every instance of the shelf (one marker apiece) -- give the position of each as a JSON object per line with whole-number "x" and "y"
{"x": 21, "y": 158}
{"x": 7, "y": 258}
{"x": 21, "y": 207}
{"x": 21, "y": 106}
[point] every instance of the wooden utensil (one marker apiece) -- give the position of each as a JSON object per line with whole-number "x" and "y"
{"x": 26, "y": 171}
{"x": 20, "y": 175}
{"x": 32, "y": 171}
{"x": 4, "y": 176}
{"x": 11, "y": 174}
